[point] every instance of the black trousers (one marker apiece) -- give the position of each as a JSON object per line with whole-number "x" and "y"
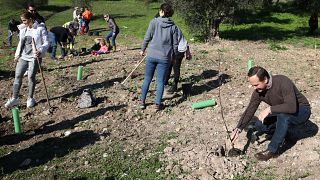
{"x": 175, "y": 64}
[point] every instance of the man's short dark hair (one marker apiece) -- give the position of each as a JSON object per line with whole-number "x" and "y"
{"x": 259, "y": 71}
{"x": 31, "y": 5}
{"x": 167, "y": 9}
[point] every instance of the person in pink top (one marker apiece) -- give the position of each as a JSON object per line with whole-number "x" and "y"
{"x": 103, "y": 48}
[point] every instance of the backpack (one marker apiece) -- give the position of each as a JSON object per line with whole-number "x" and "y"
{"x": 87, "y": 99}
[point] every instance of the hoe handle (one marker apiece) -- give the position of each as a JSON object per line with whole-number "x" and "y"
{"x": 133, "y": 70}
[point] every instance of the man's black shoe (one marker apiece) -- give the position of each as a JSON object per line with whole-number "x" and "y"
{"x": 172, "y": 89}
{"x": 265, "y": 155}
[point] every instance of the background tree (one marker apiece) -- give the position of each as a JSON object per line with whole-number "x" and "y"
{"x": 313, "y": 7}
{"x": 203, "y": 17}
{"x": 81, "y": 3}
{"x": 22, "y": 4}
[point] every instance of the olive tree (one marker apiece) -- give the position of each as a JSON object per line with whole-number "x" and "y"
{"x": 203, "y": 17}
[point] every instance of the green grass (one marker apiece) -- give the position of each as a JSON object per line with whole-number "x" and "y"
{"x": 117, "y": 163}
{"x": 272, "y": 27}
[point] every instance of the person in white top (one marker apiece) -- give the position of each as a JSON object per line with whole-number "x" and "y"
{"x": 26, "y": 55}
{"x": 183, "y": 50}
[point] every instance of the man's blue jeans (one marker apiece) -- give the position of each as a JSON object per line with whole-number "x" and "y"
{"x": 53, "y": 43}
{"x": 278, "y": 124}
{"x": 113, "y": 38}
{"x": 10, "y": 34}
{"x": 161, "y": 66}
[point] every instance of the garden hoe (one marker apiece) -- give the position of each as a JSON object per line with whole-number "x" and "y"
{"x": 122, "y": 83}
{"x": 50, "y": 110}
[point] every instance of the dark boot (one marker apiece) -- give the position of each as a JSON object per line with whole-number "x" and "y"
{"x": 172, "y": 89}
{"x": 265, "y": 155}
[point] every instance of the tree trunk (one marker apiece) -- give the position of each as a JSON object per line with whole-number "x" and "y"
{"x": 313, "y": 23}
{"x": 214, "y": 31}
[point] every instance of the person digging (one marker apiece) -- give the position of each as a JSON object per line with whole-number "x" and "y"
{"x": 287, "y": 108}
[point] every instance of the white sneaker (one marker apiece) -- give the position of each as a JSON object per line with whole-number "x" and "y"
{"x": 12, "y": 102}
{"x": 31, "y": 102}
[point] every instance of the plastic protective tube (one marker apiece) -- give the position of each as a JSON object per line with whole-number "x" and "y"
{"x": 16, "y": 120}
{"x": 80, "y": 70}
{"x": 203, "y": 104}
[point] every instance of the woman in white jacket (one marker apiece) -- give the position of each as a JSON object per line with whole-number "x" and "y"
{"x": 26, "y": 55}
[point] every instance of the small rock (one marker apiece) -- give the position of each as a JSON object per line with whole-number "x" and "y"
{"x": 58, "y": 134}
{"x": 26, "y": 162}
{"x": 105, "y": 130}
{"x": 176, "y": 169}
{"x": 158, "y": 170}
{"x": 168, "y": 150}
{"x": 173, "y": 141}
{"x": 46, "y": 112}
{"x": 105, "y": 155}
{"x": 67, "y": 133}
{"x": 86, "y": 163}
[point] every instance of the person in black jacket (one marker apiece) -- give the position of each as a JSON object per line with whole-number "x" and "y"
{"x": 13, "y": 29}
{"x": 36, "y": 16}
{"x": 61, "y": 36}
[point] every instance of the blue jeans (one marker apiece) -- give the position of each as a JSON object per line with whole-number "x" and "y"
{"x": 113, "y": 38}
{"x": 53, "y": 43}
{"x": 161, "y": 66}
{"x": 278, "y": 124}
{"x": 10, "y": 34}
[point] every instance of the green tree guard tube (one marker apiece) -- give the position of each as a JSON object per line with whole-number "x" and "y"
{"x": 80, "y": 70}
{"x": 16, "y": 120}
{"x": 203, "y": 104}
{"x": 249, "y": 64}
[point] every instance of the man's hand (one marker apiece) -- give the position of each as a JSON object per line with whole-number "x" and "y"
{"x": 264, "y": 114}
{"x": 142, "y": 53}
{"x": 188, "y": 54}
{"x": 235, "y": 134}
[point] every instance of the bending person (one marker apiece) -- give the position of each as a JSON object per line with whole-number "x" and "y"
{"x": 287, "y": 108}
{"x": 26, "y": 55}
{"x": 61, "y": 36}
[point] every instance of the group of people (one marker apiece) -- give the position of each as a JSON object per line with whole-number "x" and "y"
{"x": 83, "y": 17}
{"x": 166, "y": 47}
{"x": 34, "y": 40}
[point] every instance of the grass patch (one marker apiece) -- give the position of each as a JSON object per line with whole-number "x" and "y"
{"x": 111, "y": 162}
{"x": 285, "y": 26}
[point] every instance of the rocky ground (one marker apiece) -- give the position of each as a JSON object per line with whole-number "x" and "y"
{"x": 193, "y": 150}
